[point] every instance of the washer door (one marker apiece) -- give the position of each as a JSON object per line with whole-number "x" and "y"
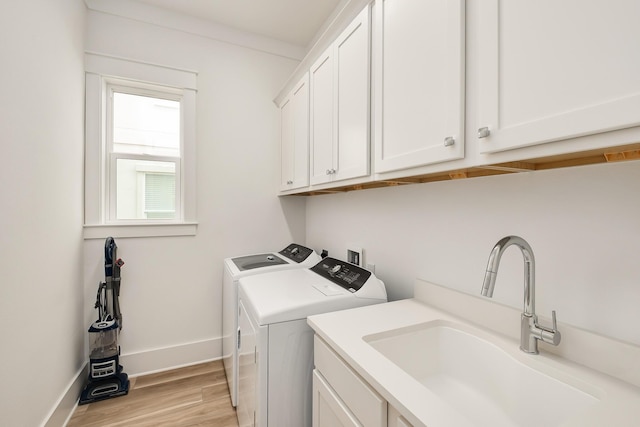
{"x": 250, "y": 262}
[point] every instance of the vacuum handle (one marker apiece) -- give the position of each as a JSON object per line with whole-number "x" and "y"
{"x": 110, "y": 249}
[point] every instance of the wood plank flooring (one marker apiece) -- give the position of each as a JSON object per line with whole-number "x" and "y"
{"x": 195, "y": 396}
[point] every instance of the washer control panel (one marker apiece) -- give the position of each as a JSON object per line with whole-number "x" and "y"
{"x": 349, "y": 276}
{"x": 297, "y": 253}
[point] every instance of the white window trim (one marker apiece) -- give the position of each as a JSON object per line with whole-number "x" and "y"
{"x": 101, "y": 69}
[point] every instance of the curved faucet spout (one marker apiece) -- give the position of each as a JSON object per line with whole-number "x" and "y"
{"x": 529, "y": 270}
{"x": 530, "y": 330}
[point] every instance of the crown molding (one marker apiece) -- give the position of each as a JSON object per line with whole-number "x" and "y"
{"x": 156, "y": 16}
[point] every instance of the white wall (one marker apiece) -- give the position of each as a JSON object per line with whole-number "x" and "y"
{"x": 171, "y": 287}
{"x": 41, "y": 134}
{"x": 581, "y": 222}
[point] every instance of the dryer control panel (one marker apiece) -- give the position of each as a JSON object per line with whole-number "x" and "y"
{"x": 297, "y": 253}
{"x": 349, "y": 276}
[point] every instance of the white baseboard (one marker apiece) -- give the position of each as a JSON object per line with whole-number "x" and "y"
{"x": 67, "y": 403}
{"x": 136, "y": 364}
{"x": 162, "y": 359}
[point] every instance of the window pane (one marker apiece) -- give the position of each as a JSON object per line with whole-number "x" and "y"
{"x": 145, "y": 125}
{"x": 145, "y": 189}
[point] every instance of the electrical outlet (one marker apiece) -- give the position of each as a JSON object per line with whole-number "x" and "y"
{"x": 354, "y": 255}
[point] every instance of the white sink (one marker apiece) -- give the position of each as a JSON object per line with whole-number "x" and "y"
{"x": 483, "y": 382}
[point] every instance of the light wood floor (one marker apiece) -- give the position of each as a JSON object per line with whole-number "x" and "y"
{"x": 192, "y": 396}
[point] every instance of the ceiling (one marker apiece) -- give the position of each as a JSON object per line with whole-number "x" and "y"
{"x": 291, "y": 21}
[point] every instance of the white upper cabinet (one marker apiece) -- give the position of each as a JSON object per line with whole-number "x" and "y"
{"x": 339, "y": 82}
{"x": 322, "y": 119}
{"x": 552, "y": 70}
{"x": 294, "y": 150}
{"x": 418, "y": 49}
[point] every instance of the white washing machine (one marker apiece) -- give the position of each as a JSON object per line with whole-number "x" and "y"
{"x": 276, "y": 344}
{"x": 291, "y": 257}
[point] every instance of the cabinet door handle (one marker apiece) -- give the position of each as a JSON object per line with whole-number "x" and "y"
{"x": 289, "y": 182}
{"x": 328, "y": 171}
{"x": 449, "y": 141}
{"x": 483, "y": 132}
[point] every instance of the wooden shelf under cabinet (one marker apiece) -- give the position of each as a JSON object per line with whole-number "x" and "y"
{"x": 606, "y": 155}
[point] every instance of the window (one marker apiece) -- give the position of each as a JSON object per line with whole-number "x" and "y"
{"x": 140, "y": 145}
{"x": 144, "y": 150}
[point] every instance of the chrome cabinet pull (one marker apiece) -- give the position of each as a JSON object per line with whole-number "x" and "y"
{"x": 483, "y": 132}
{"x": 449, "y": 141}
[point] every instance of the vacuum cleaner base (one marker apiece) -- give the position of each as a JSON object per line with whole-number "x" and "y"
{"x": 105, "y": 389}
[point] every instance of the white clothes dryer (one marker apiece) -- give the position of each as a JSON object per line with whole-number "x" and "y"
{"x": 276, "y": 344}
{"x": 291, "y": 257}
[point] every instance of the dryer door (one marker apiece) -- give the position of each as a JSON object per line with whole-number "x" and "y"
{"x": 247, "y": 370}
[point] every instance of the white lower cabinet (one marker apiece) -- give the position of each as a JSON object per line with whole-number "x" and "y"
{"x": 395, "y": 419}
{"x": 328, "y": 409}
{"x": 340, "y": 396}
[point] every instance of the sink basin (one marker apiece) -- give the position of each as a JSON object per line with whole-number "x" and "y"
{"x": 478, "y": 379}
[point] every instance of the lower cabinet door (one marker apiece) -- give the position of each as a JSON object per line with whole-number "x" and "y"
{"x": 328, "y": 409}
{"x": 395, "y": 419}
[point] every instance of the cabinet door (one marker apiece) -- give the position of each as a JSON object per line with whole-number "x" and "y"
{"x": 322, "y": 111}
{"x": 362, "y": 401}
{"x": 554, "y": 70}
{"x": 294, "y": 116}
{"x": 395, "y": 419}
{"x": 352, "y": 71}
{"x": 340, "y": 88}
{"x": 328, "y": 408}
{"x": 287, "y": 147}
{"x": 419, "y": 82}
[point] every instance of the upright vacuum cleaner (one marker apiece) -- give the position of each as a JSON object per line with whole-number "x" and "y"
{"x": 106, "y": 378}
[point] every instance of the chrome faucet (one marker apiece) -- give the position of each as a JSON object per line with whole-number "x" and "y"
{"x": 530, "y": 330}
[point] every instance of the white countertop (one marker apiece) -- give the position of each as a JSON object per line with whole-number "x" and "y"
{"x": 619, "y": 402}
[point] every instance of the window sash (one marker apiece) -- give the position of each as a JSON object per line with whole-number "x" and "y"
{"x": 142, "y": 89}
{"x": 111, "y": 188}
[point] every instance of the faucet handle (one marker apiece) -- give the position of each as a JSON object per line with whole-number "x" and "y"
{"x": 550, "y": 336}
